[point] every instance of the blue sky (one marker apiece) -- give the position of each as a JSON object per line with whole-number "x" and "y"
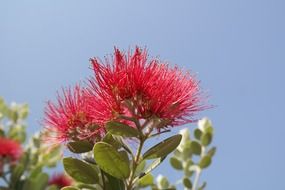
{"x": 237, "y": 49}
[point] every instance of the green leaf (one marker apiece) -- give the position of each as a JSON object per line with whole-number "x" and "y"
{"x": 117, "y": 142}
{"x": 187, "y": 171}
{"x": 205, "y": 162}
{"x": 114, "y": 183}
{"x": 52, "y": 187}
{"x": 186, "y": 151}
{"x": 80, "y": 171}
{"x": 145, "y": 181}
{"x": 187, "y": 183}
{"x": 206, "y": 139}
{"x": 24, "y": 111}
{"x": 39, "y": 182}
{"x": 197, "y": 133}
{"x": 124, "y": 155}
{"x": 175, "y": 163}
{"x": 69, "y": 188}
{"x": 140, "y": 167}
{"x": 121, "y": 129}
{"x": 2, "y": 132}
{"x": 36, "y": 171}
{"x": 162, "y": 182}
{"x": 195, "y": 147}
{"x": 152, "y": 166}
{"x": 111, "y": 161}
{"x": 177, "y": 153}
{"x": 17, "y": 172}
{"x": 80, "y": 146}
{"x": 18, "y": 133}
{"x": 209, "y": 129}
{"x": 51, "y": 158}
{"x": 110, "y": 139}
{"x": 88, "y": 187}
{"x": 212, "y": 151}
{"x": 202, "y": 187}
{"x": 163, "y": 148}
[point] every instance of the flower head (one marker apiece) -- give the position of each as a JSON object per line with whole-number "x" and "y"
{"x": 68, "y": 120}
{"x": 60, "y": 180}
{"x": 126, "y": 86}
{"x": 148, "y": 87}
{"x": 10, "y": 149}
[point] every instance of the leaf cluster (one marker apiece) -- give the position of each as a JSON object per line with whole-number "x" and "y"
{"x": 28, "y": 171}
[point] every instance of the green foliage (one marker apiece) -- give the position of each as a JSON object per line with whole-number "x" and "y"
{"x": 145, "y": 181}
{"x": 111, "y": 161}
{"x": 191, "y": 156}
{"x": 80, "y": 171}
{"x": 163, "y": 148}
{"x": 80, "y": 146}
{"x": 175, "y": 163}
{"x": 113, "y": 165}
{"x": 121, "y": 129}
{"x": 27, "y": 172}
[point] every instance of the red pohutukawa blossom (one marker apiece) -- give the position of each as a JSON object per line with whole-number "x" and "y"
{"x": 60, "y": 180}
{"x": 131, "y": 85}
{"x": 10, "y": 149}
{"x": 68, "y": 119}
{"x": 150, "y": 86}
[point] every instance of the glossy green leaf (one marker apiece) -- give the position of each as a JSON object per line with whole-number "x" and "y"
{"x": 163, "y": 148}
{"x": 187, "y": 183}
{"x": 195, "y": 148}
{"x": 111, "y": 161}
{"x": 80, "y": 146}
{"x": 121, "y": 129}
{"x": 80, "y": 171}
{"x": 205, "y": 162}
{"x": 175, "y": 163}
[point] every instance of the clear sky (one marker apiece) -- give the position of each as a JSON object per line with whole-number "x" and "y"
{"x": 236, "y": 47}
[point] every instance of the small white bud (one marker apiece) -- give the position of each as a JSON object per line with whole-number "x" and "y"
{"x": 204, "y": 124}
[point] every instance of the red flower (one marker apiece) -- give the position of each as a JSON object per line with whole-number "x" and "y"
{"x": 149, "y": 86}
{"x": 60, "y": 180}
{"x": 10, "y": 149}
{"x": 68, "y": 120}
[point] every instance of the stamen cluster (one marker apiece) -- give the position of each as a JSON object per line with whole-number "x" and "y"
{"x": 130, "y": 85}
